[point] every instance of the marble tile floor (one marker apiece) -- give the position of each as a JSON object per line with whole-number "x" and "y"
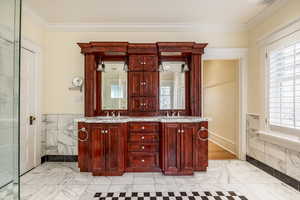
{"x": 63, "y": 181}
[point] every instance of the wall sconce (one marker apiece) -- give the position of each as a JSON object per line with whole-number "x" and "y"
{"x": 125, "y": 68}
{"x": 185, "y": 67}
{"x": 161, "y": 68}
{"x": 101, "y": 67}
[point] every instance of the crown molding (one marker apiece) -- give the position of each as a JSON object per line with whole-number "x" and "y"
{"x": 132, "y": 27}
{"x": 146, "y": 27}
{"x": 265, "y": 13}
{"x": 36, "y": 18}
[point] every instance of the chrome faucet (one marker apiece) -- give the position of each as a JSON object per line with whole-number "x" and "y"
{"x": 113, "y": 114}
{"x": 107, "y": 114}
{"x": 173, "y": 114}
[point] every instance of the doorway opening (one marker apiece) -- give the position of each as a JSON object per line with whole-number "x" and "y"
{"x": 221, "y": 105}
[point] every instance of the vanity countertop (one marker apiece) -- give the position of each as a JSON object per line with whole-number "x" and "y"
{"x": 125, "y": 119}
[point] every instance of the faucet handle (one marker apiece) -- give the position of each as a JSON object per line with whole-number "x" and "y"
{"x": 113, "y": 113}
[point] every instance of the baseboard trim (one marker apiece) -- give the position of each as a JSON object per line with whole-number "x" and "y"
{"x": 221, "y": 141}
{"x": 274, "y": 172}
{"x": 59, "y": 158}
{"x": 217, "y": 143}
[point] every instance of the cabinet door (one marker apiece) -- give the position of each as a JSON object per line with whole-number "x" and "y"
{"x": 136, "y": 104}
{"x": 150, "y": 104}
{"x": 171, "y": 148}
{"x": 201, "y": 148}
{"x": 150, "y": 84}
{"x": 187, "y": 135}
{"x": 136, "y": 83}
{"x": 115, "y": 149}
{"x": 150, "y": 63}
{"x": 136, "y": 63}
{"x": 98, "y": 150}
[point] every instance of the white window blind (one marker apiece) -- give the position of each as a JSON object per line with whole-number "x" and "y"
{"x": 284, "y": 87}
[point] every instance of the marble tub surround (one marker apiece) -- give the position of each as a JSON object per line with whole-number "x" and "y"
{"x": 285, "y": 160}
{"x": 64, "y": 181}
{"x": 125, "y": 119}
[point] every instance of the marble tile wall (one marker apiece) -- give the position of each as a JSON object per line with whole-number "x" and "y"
{"x": 59, "y": 134}
{"x": 280, "y": 158}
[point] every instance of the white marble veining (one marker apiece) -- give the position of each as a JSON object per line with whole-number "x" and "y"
{"x": 59, "y": 134}
{"x": 63, "y": 181}
{"x": 124, "y": 119}
{"x": 281, "y": 157}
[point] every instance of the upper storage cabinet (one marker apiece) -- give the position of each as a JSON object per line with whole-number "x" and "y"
{"x": 113, "y": 85}
{"x": 142, "y": 79}
{"x": 172, "y": 85}
{"x": 146, "y": 63}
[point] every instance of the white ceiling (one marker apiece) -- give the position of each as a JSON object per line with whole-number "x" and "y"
{"x": 147, "y": 11}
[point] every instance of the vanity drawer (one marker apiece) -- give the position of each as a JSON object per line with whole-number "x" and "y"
{"x": 143, "y": 160}
{"x": 144, "y": 127}
{"x": 143, "y": 147}
{"x": 143, "y": 138}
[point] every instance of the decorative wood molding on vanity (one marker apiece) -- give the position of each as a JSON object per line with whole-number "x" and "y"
{"x": 145, "y": 144}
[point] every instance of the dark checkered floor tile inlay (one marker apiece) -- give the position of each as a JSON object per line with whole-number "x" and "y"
{"x": 204, "y": 195}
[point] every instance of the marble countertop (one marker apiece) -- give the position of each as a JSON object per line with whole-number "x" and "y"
{"x": 124, "y": 119}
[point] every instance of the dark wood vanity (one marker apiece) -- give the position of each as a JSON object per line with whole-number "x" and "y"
{"x": 143, "y": 82}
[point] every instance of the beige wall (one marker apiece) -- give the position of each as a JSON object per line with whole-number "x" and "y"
{"x": 64, "y": 61}
{"x": 283, "y": 16}
{"x": 221, "y": 101}
{"x": 33, "y": 30}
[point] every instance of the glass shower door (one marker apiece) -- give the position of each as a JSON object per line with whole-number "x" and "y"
{"x": 9, "y": 98}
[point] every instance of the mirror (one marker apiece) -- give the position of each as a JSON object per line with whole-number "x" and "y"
{"x": 172, "y": 86}
{"x": 114, "y": 86}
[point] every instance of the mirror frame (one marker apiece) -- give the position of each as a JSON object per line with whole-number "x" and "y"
{"x": 179, "y": 58}
{"x": 98, "y": 96}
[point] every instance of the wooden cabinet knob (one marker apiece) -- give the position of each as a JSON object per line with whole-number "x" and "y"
{"x": 143, "y": 137}
{"x": 143, "y": 147}
{"x": 143, "y": 160}
{"x": 143, "y": 127}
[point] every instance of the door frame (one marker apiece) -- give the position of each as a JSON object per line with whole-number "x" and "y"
{"x": 36, "y": 49}
{"x": 240, "y": 54}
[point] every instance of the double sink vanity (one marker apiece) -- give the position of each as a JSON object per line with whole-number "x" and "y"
{"x": 132, "y": 92}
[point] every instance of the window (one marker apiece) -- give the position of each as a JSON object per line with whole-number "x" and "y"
{"x": 165, "y": 97}
{"x": 116, "y": 92}
{"x": 284, "y": 87}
